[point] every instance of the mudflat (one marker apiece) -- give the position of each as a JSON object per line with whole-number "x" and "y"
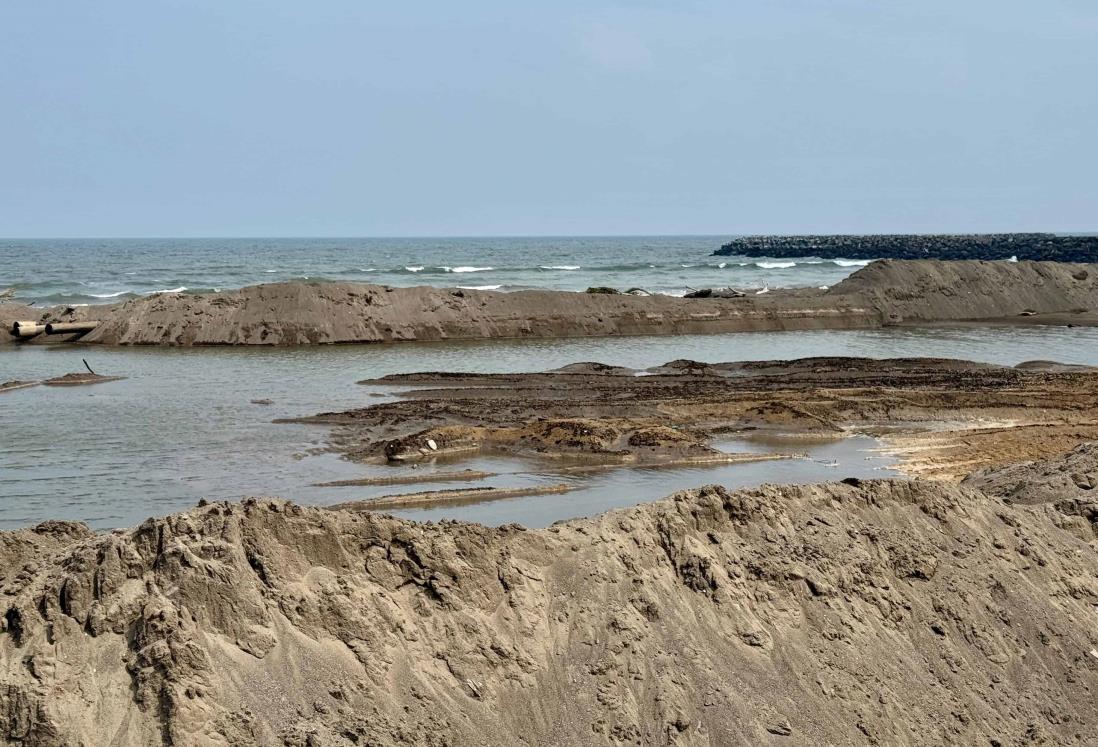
{"x": 944, "y": 418}
{"x": 889, "y": 292}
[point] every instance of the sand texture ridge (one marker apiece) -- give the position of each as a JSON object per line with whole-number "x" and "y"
{"x": 891, "y": 612}
{"x": 305, "y": 313}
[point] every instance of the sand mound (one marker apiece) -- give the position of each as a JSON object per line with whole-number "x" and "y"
{"x": 891, "y": 612}
{"x": 309, "y": 313}
{"x": 933, "y": 290}
{"x": 302, "y": 313}
{"x": 1068, "y": 477}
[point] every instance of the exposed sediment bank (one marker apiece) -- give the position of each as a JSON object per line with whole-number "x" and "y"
{"x": 305, "y": 313}
{"x": 942, "y": 418}
{"x": 453, "y": 496}
{"x": 993, "y": 246}
{"x": 885, "y": 612}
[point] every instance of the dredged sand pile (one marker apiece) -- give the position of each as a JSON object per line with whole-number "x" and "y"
{"x": 884, "y": 293}
{"x": 883, "y": 612}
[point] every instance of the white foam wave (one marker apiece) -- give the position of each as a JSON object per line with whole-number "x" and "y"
{"x": 760, "y": 292}
{"x": 481, "y": 287}
{"x": 722, "y": 265}
{"x": 180, "y": 289}
{"x": 418, "y": 268}
{"x": 775, "y": 265}
{"x": 468, "y": 269}
{"x": 852, "y": 262}
{"x": 568, "y": 268}
{"x": 108, "y": 295}
{"x": 1013, "y": 258}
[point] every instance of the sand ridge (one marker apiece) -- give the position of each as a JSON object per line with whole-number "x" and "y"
{"x": 884, "y": 293}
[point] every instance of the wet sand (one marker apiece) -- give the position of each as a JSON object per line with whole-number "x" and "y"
{"x": 943, "y": 418}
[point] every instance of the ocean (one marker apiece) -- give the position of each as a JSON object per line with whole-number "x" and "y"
{"x": 91, "y": 271}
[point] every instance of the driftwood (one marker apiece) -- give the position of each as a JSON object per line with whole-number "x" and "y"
{"x": 60, "y": 328}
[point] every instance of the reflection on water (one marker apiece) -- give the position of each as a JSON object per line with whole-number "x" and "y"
{"x": 614, "y": 488}
{"x": 183, "y": 427}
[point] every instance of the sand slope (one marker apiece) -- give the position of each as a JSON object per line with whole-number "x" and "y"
{"x": 305, "y": 313}
{"x": 890, "y": 612}
{"x": 311, "y": 313}
{"x": 937, "y": 291}
{"x": 1068, "y": 477}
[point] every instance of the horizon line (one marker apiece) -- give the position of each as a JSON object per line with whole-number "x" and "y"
{"x": 730, "y": 235}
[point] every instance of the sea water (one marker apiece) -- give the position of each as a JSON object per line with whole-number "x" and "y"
{"x": 91, "y": 271}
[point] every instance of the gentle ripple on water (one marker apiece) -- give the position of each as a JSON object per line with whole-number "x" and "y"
{"x": 55, "y": 271}
{"x": 182, "y": 426}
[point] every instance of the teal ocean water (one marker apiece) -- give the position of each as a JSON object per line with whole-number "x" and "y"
{"x": 90, "y": 271}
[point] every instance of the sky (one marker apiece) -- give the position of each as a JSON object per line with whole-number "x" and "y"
{"x": 363, "y": 118}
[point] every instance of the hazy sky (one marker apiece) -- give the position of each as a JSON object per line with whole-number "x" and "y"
{"x": 356, "y": 117}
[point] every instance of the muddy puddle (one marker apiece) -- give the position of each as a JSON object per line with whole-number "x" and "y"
{"x": 597, "y": 490}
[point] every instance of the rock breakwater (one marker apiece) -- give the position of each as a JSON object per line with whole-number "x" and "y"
{"x": 989, "y": 246}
